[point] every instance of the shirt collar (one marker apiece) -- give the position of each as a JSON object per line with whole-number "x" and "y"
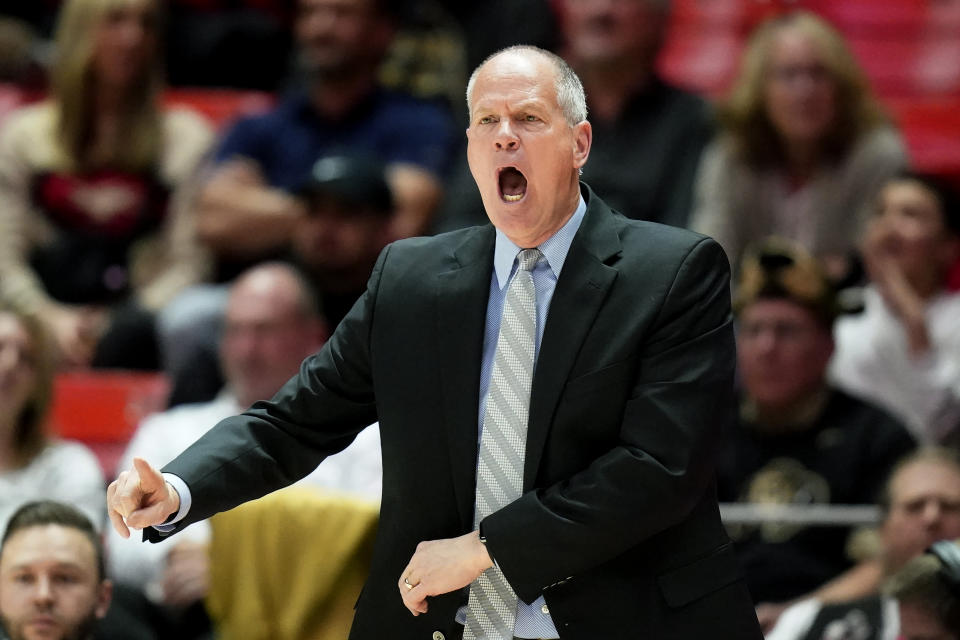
{"x": 554, "y": 248}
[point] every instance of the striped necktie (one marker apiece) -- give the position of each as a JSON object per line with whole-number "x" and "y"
{"x": 492, "y": 604}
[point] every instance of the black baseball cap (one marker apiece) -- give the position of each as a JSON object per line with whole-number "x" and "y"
{"x": 353, "y": 179}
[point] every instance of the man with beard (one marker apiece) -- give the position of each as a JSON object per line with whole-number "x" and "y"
{"x": 52, "y": 583}
{"x": 246, "y": 208}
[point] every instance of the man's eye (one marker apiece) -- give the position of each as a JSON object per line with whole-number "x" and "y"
{"x": 530, "y": 118}
{"x": 486, "y": 120}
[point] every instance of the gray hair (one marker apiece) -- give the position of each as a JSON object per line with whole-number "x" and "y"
{"x": 570, "y": 94}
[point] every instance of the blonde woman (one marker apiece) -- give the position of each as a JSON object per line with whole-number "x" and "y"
{"x": 95, "y": 233}
{"x": 804, "y": 147}
{"x": 32, "y": 465}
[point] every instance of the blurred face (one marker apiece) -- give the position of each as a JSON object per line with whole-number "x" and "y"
{"x": 49, "y": 588}
{"x": 919, "y": 623}
{"x": 125, "y": 43}
{"x": 522, "y": 153}
{"x": 799, "y": 93}
{"x": 782, "y": 352}
{"x": 606, "y": 31}
{"x": 910, "y": 230}
{"x": 266, "y": 336}
{"x": 337, "y": 237}
{"x": 334, "y": 35}
{"x": 18, "y": 367}
{"x": 924, "y": 508}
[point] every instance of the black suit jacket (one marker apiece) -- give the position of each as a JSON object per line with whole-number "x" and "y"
{"x": 618, "y": 527}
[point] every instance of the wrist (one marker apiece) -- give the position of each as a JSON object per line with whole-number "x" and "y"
{"x": 486, "y": 559}
{"x": 174, "y": 497}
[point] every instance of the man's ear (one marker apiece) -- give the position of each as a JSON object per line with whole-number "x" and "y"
{"x": 104, "y": 595}
{"x": 582, "y": 139}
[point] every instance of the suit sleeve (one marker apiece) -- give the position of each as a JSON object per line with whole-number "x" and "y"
{"x": 662, "y": 464}
{"x": 317, "y": 413}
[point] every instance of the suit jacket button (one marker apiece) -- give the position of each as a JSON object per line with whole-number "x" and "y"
{"x": 438, "y": 636}
{"x": 545, "y": 610}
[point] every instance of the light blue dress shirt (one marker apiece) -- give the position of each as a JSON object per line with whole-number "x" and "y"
{"x": 533, "y": 620}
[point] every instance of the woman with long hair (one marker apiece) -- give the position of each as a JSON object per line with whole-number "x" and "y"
{"x": 32, "y": 464}
{"x": 804, "y": 146}
{"x": 95, "y": 229}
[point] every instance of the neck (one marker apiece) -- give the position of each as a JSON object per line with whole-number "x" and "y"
{"x": 334, "y": 96}
{"x": 610, "y": 86}
{"x": 795, "y": 415}
{"x": 802, "y": 159}
{"x": 926, "y": 285}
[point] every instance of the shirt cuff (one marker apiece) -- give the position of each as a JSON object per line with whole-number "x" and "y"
{"x": 185, "y": 501}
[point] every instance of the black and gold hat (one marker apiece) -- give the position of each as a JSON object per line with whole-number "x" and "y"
{"x": 777, "y": 268}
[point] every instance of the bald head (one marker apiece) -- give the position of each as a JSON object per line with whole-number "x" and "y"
{"x": 569, "y": 90}
{"x": 272, "y": 323}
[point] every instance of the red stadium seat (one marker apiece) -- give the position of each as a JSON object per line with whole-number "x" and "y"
{"x": 102, "y": 409}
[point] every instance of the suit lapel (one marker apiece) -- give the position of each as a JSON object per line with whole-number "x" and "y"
{"x": 462, "y": 295}
{"x": 581, "y": 290}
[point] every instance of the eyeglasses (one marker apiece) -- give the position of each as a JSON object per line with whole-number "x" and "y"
{"x": 782, "y": 331}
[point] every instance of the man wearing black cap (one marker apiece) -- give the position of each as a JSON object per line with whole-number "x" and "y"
{"x": 348, "y": 207}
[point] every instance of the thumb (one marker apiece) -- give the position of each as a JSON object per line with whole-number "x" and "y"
{"x": 150, "y": 478}
{"x": 155, "y": 514}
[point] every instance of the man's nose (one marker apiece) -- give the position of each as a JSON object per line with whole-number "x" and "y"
{"x": 932, "y": 511}
{"x": 44, "y": 591}
{"x": 506, "y": 139}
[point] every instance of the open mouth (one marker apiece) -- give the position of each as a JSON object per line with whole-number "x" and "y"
{"x": 513, "y": 184}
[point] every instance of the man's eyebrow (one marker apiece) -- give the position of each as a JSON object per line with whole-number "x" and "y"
{"x": 62, "y": 564}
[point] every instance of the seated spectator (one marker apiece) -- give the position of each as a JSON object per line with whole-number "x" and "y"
{"x": 347, "y": 205}
{"x": 921, "y": 504}
{"x": 246, "y": 207}
{"x": 903, "y": 351}
{"x": 52, "y": 582}
{"x": 647, "y": 134}
{"x": 272, "y": 323}
{"x": 799, "y": 440}
{"x": 94, "y": 230}
{"x": 804, "y": 148}
{"x": 32, "y": 464}
{"x": 927, "y": 591}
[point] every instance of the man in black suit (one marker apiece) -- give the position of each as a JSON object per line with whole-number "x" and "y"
{"x": 615, "y": 531}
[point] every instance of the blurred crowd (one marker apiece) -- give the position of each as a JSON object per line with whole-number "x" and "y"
{"x": 136, "y": 235}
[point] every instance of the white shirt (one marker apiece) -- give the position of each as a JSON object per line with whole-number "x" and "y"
{"x": 796, "y": 621}
{"x": 872, "y": 360}
{"x": 65, "y": 471}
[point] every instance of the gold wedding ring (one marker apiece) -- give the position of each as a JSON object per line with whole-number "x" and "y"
{"x": 408, "y": 585}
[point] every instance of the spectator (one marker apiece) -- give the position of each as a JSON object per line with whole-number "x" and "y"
{"x": 903, "y": 351}
{"x": 272, "y": 324}
{"x": 927, "y": 591}
{"x": 799, "y": 440}
{"x": 804, "y": 147}
{"x": 348, "y": 204}
{"x": 247, "y": 209}
{"x": 921, "y": 504}
{"x": 33, "y": 465}
{"x": 94, "y": 231}
{"x": 647, "y": 135}
{"x": 52, "y": 582}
